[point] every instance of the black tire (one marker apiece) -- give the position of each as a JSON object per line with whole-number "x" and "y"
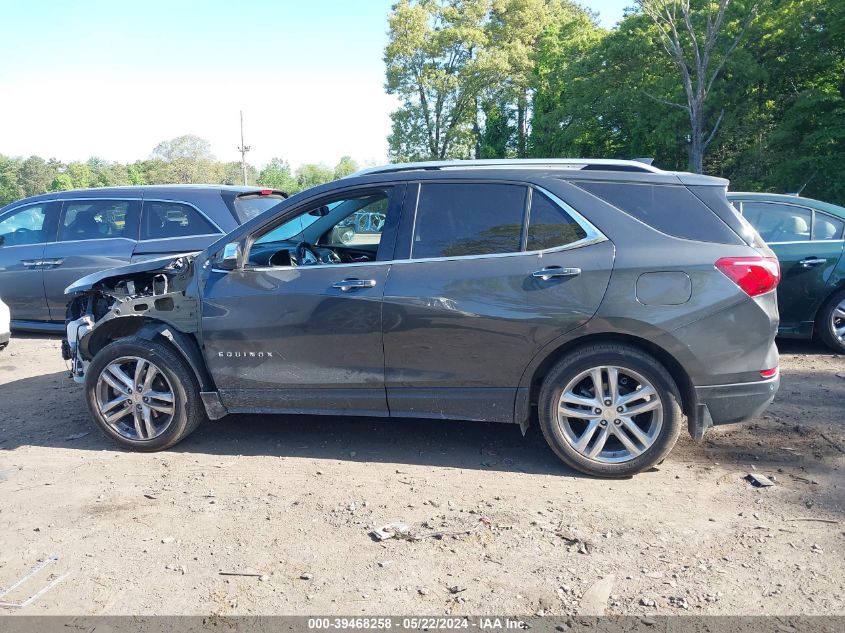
{"x": 825, "y": 323}
{"x": 618, "y": 355}
{"x": 188, "y": 411}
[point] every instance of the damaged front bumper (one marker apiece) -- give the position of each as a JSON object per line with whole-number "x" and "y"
{"x": 118, "y": 302}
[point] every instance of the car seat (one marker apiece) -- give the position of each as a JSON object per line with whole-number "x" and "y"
{"x": 83, "y": 227}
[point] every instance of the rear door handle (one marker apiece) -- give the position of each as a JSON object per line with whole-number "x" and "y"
{"x": 52, "y": 262}
{"x": 812, "y": 261}
{"x": 555, "y": 271}
{"x": 353, "y": 284}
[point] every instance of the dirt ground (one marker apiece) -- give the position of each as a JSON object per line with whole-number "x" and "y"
{"x": 292, "y": 500}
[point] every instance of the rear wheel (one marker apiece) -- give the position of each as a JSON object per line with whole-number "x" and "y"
{"x": 142, "y": 395}
{"x": 610, "y": 410}
{"x": 830, "y": 323}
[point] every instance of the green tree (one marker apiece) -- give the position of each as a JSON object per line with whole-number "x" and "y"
{"x": 10, "y": 188}
{"x": 515, "y": 28}
{"x": 62, "y": 182}
{"x": 35, "y": 176}
{"x": 80, "y": 175}
{"x": 433, "y": 66}
{"x": 699, "y": 40}
{"x": 345, "y": 167}
{"x": 189, "y": 159}
{"x": 311, "y": 175}
{"x": 277, "y": 175}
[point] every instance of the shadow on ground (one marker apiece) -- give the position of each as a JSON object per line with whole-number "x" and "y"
{"x": 50, "y": 409}
{"x": 50, "y": 412}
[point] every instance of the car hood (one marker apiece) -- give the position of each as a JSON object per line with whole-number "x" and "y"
{"x": 146, "y": 266}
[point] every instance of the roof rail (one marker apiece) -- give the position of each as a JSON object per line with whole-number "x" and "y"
{"x": 605, "y": 164}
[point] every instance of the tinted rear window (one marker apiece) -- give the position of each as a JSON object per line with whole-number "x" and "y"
{"x": 671, "y": 209}
{"x": 247, "y": 207}
{"x": 468, "y": 219}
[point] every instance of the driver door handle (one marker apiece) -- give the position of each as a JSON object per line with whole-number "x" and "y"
{"x": 353, "y": 284}
{"x": 32, "y": 263}
{"x": 555, "y": 271}
{"x": 812, "y": 261}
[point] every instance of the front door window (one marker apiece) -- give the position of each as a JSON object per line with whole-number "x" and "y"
{"x": 24, "y": 226}
{"x": 345, "y": 231}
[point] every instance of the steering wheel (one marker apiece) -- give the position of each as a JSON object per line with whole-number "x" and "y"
{"x": 305, "y": 247}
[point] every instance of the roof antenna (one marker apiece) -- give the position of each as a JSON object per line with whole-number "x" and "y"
{"x": 804, "y": 186}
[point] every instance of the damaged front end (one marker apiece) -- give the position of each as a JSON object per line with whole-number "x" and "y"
{"x": 119, "y": 302}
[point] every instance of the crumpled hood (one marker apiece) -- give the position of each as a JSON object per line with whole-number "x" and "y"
{"x": 149, "y": 265}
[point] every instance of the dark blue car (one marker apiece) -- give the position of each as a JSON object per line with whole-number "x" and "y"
{"x": 49, "y": 241}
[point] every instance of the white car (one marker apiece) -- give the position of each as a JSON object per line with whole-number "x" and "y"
{"x": 4, "y": 325}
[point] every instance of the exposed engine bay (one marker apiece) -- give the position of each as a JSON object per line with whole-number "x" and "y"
{"x": 121, "y": 300}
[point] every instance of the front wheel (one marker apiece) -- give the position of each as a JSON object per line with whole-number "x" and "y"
{"x": 831, "y": 322}
{"x": 142, "y": 395}
{"x": 610, "y": 410}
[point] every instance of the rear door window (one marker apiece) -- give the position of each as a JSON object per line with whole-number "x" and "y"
{"x": 827, "y": 228}
{"x": 779, "y": 222}
{"x": 671, "y": 209}
{"x": 459, "y": 219}
{"x": 550, "y": 226}
{"x": 98, "y": 220}
{"x": 161, "y": 220}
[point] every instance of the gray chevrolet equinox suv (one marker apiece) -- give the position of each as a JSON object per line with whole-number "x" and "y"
{"x": 607, "y": 299}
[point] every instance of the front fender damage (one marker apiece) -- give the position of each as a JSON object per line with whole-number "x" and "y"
{"x": 122, "y": 301}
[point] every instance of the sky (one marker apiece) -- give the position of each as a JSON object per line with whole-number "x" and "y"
{"x": 112, "y": 79}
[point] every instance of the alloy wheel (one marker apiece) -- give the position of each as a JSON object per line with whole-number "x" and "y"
{"x": 837, "y": 318}
{"x": 610, "y": 414}
{"x": 135, "y": 398}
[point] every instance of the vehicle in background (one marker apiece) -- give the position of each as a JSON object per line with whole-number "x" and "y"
{"x": 49, "y": 241}
{"x": 808, "y": 237}
{"x": 569, "y": 290}
{"x": 5, "y": 325}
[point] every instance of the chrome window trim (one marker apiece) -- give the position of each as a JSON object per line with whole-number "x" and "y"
{"x": 593, "y": 236}
{"x": 264, "y": 269}
{"x": 93, "y": 239}
{"x": 810, "y": 242}
{"x": 181, "y": 237}
{"x": 557, "y": 249}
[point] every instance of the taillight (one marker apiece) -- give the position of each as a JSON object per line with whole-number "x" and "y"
{"x": 769, "y": 373}
{"x": 265, "y": 192}
{"x": 755, "y": 275}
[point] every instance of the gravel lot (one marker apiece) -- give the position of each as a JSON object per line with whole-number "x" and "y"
{"x": 292, "y": 500}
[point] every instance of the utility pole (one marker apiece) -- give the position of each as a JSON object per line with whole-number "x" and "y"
{"x": 243, "y": 149}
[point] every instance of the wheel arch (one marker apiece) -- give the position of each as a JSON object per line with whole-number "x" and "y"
{"x": 838, "y": 287}
{"x": 185, "y": 345}
{"x": 527, "y": 404}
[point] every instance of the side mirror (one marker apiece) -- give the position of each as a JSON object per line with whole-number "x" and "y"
{"x": 231, "y": 258}
{"x": 320, "y": 211}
